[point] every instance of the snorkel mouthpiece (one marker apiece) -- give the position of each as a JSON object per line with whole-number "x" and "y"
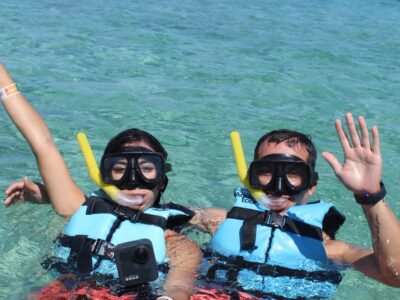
{"x": 258, "y": 195}
{"x": 111, "y": 190}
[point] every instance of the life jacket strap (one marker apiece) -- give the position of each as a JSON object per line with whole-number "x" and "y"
{"x": 83, "y": 248}
{"x": 97, "y": 205}
{"x": 251, "y": 218}
{"x": 234, "y": 264}
{"x": 176, "y": 222}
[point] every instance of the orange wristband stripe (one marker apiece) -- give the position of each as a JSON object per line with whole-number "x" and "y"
{"x": 8, "y": 91}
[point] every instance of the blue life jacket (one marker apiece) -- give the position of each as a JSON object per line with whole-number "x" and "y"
{"x": 269, "y": 254}
{"x": 85, "y": 244}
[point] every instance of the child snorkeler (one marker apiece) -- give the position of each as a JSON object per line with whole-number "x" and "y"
{"x": 101, "y": 233}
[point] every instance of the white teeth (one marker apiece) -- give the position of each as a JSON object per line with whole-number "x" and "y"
{"x": 273, "y": 203}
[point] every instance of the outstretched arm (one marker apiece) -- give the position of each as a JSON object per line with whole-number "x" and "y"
{"x": 361, "y": 174}
{"x": 65, "y": 195}
{"x": 208, "y": 219}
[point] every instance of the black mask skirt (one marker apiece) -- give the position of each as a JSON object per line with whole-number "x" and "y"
{"x": 134, "y": 167}
{"x": 281, "y": 174}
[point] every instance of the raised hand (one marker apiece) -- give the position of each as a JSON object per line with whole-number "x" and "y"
{"x": 25, "y": 191}
{"x": 362, "y": 167}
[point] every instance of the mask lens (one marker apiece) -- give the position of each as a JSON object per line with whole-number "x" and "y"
{"x": 151, "y": 167}
{"x": 114, "y": 168}
{"x": 263, "y": 174}
{"x": 296, "y": 174}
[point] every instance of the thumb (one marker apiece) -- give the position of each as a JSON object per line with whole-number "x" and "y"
{"x": 333, "y": 161}
{"x": 28, "y": 184}
{"x": 26, "y": 181}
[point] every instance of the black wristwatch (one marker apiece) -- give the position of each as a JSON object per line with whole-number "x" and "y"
{"x": 371, "y": 199}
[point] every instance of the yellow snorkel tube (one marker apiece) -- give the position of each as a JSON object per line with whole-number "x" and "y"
{"x": 242, "y": 167}
{"x": 111, "y": 190}
{"x": 259, "y": 195}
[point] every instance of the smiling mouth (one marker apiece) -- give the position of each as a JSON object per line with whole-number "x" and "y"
{"x": 130, "y": 200}
{"x": 274, "y": 203}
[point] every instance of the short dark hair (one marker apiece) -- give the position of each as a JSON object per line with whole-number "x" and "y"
{"x": 292, "y": 138}
{"x": 132, "y": 135}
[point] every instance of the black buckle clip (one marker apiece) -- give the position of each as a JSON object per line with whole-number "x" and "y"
{"x": 127, "y": 213}
{"x": 98, "y": 247}
{"x": 102, "y": 248}
{"x": 273, "y": 219}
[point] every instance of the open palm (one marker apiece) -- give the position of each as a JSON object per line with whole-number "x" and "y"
{"x": 362, "y": 167}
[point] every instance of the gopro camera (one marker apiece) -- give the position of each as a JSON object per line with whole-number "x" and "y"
{"x": 136, "y": 262}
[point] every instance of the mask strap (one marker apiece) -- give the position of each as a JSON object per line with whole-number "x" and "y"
{"x": 162, "y": 197}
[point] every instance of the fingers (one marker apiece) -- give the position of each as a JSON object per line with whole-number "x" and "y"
{"x": 15, "y": 192}
{"x": 364, "y": 132}
{"x": 342, "y": 136}
{"x": 352, "y": 130}
{"x": 19, "y": 185}
{"x": 13, "y": 198}
{"x": 333, "y": 161}
{"x": 376, "y": 144}
{"x": 355, "y": 137}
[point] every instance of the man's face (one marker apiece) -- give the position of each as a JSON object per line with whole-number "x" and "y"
{"x": 296, "y": 150}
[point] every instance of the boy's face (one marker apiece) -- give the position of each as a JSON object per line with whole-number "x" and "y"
{"x": 296, "y": 150}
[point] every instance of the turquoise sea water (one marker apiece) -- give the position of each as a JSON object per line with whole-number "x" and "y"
{"x": 190, "y": 72}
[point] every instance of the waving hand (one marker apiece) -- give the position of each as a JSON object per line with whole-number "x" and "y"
{"x": 362, "y": 167}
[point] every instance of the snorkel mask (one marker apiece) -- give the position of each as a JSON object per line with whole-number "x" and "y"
{"x": 134, "y": 167}
{"x": 281, "y": 174}
{"x": 109, "y": 186}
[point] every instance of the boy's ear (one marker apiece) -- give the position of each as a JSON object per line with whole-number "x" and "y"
{"x": 312, "y": 188}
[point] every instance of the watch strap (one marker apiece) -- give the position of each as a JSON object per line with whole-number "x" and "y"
{"x": 371, "y": 199}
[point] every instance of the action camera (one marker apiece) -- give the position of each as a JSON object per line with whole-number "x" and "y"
{"x": 136, "y": 262}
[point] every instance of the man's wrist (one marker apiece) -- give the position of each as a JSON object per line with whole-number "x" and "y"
{"x": 371, "y": 199}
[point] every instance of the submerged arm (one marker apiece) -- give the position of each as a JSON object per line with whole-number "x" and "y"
{"x": 65, "y": 195}
{"x": 184, "y": 259}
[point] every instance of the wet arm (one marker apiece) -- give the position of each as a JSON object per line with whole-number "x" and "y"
{"x": 64, "y": 194}
{"x": 385, "y": 232}
{"x": 359, "y": 258}
{"x": 208, "y": 219}
{"x": 361, "y": 174}
{"x": 184, "y": 259}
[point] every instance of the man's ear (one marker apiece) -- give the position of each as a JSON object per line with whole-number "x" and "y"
{"x": 312, "y": 188}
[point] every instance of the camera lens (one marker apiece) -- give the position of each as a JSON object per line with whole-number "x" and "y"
{"x": 141, "y": 254}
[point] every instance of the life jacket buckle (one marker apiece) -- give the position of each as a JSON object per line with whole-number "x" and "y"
{"x": 127, "y": 213}
{"x": 96, "y": 246}
{"x": 103, "y": 248}
{"x": 273, "y": 219}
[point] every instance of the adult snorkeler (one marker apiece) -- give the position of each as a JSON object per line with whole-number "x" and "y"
{"x": 284, "y": 245}
{"x": 99, "y": 239}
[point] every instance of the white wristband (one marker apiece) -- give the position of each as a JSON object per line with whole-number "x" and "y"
{"x": 164, "y": 298}
{"x": 8, "y": 91}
